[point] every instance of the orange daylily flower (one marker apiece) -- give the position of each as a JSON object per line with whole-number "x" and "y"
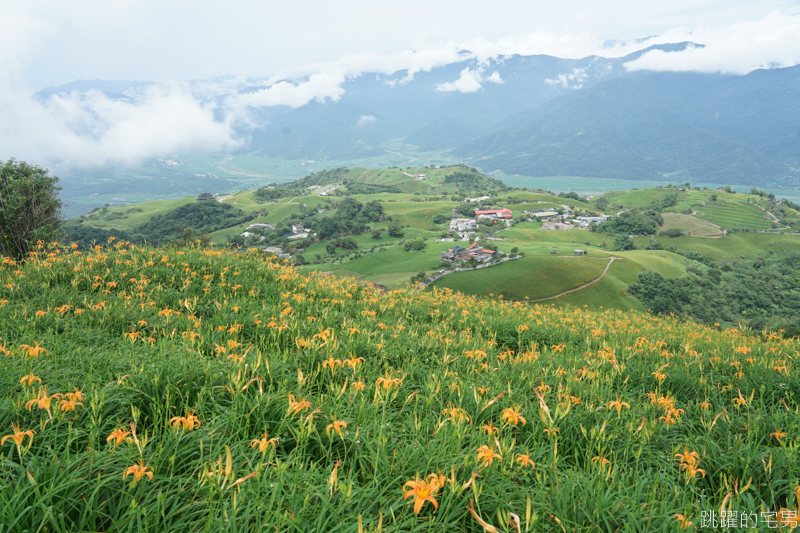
{"x": 29, "y": 379}
{"x": 186, "y": 422}
{"x": 18, "y": 436}
{"x": 618, "y": 405}
{"x": 138, "y": 471}
{"x": 296, "y": 405}
{"x": 264, "y": 443}
{"x": 513, "y": 416}
{"x": 33, "y": 351}
{"x": 42, "y": 400}
{"x": 337, "y": 426}
{"x": 118, "y": 436}
{"x": 524, "y": 460}
{"x": 486, "y": 455}
{"x": 422, "y": 491}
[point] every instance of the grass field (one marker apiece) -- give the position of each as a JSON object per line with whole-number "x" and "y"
{"x": 689, "y": 225}
{"x": 734, "y": 212}
{"x": 542, "y": 276}
{"x": 530, "y": 277}
{"x": 151, "y": 390}
{"x": 729, "y": 211}
{"x": 392, "y": 260}
{"x": 731, "y": 247}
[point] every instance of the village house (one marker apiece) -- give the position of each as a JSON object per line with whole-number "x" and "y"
{"x": 260, "y": 226}
{"x": 275, "y": 250}
{"x": 557, "y": 225}
{"x": 542, "y": 213}
{"x": 476, "y": 199}
{"x": 476, "y": 251}
{"x": 463, "y": 224}
{"x": 597, "y": 219}
{"x": 453, "y": 253}
{"x": 205, "y": 196}
{"x": 494, "y": 214}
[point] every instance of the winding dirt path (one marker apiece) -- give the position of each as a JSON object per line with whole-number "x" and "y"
{"x": 581, "y": 286}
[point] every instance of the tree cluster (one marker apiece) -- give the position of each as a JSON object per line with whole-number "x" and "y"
{"x": 633, "y": 222}
{"x": 763, "y": 293}
{"x": 30, "y": 209}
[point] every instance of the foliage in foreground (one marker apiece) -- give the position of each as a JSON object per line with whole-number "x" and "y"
{"x": 30, "y": 210}
{"x": 160, "y": 390}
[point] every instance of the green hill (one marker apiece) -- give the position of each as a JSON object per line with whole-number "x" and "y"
{"x": 199, "y": 390}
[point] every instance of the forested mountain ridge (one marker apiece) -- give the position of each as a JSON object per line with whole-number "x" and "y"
{"x": 740, "y": 130}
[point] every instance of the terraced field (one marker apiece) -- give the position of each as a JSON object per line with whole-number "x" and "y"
{"x": 734, "y": 212}
{"x": 531, "y": 277}
{"x": 689, "y": 225}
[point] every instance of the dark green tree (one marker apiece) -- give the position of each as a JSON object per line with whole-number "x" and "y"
{"x": 466, "y": 210}
{"x": 622, "y": 243}
{"x": 395, "y": 230}
{"x": 30, "y": 209}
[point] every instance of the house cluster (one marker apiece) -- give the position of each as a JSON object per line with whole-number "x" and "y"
{"x": 205, "y": 196}
{"x": 542, "y": 213}
{"x": 476, "y": 199}
{"x": 557, "y": 225}
{"x": 494, "y": 214}
{"x": 420, "y": 177}
{"x": 298, "y": 232}
{"x": 462, "y": 225}
{"x": 459, "y": 253}
{"x": 248, "y": 233}
{"x": 575, "y": 223}
{"x": 277, "y": 251}
{"x": 597, "y": 219}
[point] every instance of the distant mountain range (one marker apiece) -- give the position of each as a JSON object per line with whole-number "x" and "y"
{"x": 546, "y": 116}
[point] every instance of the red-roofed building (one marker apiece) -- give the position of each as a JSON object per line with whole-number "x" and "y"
{"x": 494, "y": 213}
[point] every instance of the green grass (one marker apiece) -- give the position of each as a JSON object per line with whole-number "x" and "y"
{"x": 731, "y": 247}
{"x": 543, "y": 276}
{"x": 390, "y": 260}
{"x": 689, "y": 225}
{"x": 585, "y": 412}
{"x": 734, "y": 212}
{"x": 530, "y": 277}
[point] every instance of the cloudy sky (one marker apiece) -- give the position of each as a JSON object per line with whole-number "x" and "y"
{"x": 316, "y": 45}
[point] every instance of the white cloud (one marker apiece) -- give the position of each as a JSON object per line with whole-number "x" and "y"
{"x": 495, "y": 78}
{"x": 161, "y": 119}
{"x": 468, "y": 82}
{"x": 91, "y": 129}
{"x": 572, "y": 80}
{"x": 739, "y": 48}
{"x": 318, "y": 87}
{"x": 364, "y": 120}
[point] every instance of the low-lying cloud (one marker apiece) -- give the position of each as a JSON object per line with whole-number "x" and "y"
{"x": 772, "y": 42}
{"x": 364, "y": 120}
{"x": 571, "y": 80}
{"x": 470, "y": 81}
{"x": 90, "y": 128}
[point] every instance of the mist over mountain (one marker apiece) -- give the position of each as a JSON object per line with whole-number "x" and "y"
{"x": 533, "y": 115}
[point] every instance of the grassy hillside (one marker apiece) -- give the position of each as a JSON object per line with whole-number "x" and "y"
{"x": 689, "y": 225}
{"x": 538, "y": 276}
{"x": 529, "y": 277}
{"x": 734, "y": 212}
{"x": 192, "y": 390}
